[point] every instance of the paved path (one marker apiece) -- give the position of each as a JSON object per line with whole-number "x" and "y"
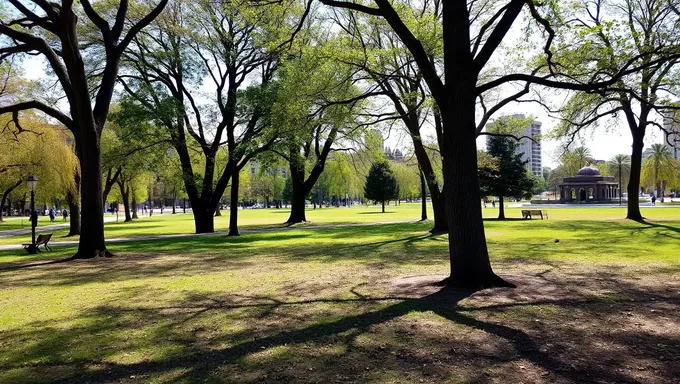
{"x": 51, "y": 227}
{"x": 183, "y": 235}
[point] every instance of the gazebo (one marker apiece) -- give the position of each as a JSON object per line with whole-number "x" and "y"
{"x": 589, "y": 186}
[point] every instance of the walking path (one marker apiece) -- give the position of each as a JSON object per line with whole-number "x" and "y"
{"x": 223, "y": 233}
{"x": 51, "y": 227}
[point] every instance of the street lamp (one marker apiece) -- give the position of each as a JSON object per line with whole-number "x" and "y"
{"x": 32, "y": 183}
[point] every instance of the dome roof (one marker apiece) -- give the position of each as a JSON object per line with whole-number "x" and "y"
{"x": 588, "y": 171}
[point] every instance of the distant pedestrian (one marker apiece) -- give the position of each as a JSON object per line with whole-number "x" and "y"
{"x": 52, "y": 215}
{"x": 116, "y": 211}
{"x": 493, "y": 203}
{"x": 64, "y": 213}
{"x": 653, "y": 199}
{"x": 484, "y": 201}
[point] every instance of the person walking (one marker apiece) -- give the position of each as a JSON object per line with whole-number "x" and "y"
{"x": 65, "y": 214}
{"x": 52, "y": 215}
{"x": 653, "y": 199}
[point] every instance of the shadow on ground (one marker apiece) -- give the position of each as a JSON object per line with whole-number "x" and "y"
{"x": 593, "y": 328}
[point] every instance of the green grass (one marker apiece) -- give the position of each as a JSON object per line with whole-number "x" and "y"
{"x": 322, "y": 305}
{"x": 11, "y": 223}
{"x": 169, "y": 224}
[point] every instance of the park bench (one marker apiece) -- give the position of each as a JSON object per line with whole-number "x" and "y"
{"x": 529, "y": 213}
{"x": 42, "y": 239}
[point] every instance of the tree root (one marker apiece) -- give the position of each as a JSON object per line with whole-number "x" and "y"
{"x": 439, "y": 231}
{"x": 105, "y": 253}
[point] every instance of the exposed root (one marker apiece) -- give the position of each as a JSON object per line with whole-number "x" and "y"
{"x": 80, "y": 255}
{"x": 438, "y": 231}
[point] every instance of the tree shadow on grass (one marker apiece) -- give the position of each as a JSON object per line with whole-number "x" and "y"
{"x": 498, "y": 345}
{"x": 653, "y": 224}
{"x": 33, "y": 265}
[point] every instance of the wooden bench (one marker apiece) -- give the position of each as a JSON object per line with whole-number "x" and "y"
{"x": 42, "y": 239}
{"x": 529, "y": 213}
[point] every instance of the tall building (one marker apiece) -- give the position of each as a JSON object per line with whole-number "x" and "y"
{"x": 530, "y": 149}
{"x": 672, "y": 136}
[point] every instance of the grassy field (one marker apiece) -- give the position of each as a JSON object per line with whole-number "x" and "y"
{"x": 250, "y": 219}
{"x": 351, "y": 304}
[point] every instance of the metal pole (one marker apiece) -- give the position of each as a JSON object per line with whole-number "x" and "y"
{"x": 33, "y": 221}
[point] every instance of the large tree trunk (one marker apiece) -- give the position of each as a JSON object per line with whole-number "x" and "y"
{"x": 383, "y": 206}
{"x": 233, "y": 205}
{"x": 297, "y": 204}
{"x": 203, "y": 220}
{"x": 501, "y": 208}
{"x": 634, "y": 180}
{"x": 297, "y": 208}
{"x": 469, "y": 256}
{"x": 91, "y": 243}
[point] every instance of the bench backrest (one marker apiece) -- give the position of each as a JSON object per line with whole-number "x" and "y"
{"x": 43, "y": 238}
{"x": 535, "y": 211}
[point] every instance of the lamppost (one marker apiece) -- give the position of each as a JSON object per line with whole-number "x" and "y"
{"x": 32, "y": 183}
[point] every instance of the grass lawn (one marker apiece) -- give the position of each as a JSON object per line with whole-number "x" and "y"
{"x": 250, "y": 219}
{"x": 12, "y": 222}
{"x": 352, "y": 304}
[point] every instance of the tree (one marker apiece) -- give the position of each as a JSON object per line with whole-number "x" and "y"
{"x": 408, "y": 181}
{"x": 237, "y": 49}
{"x": 317, "y": 106}
{"x": 660, "y": 169}
{"x": 619, "y": 165}
{"x": 471, "y": 33}
{"x": 509, "y": 178}
{"x": 381, "y": 184}
{"x": 617, "y": 32}
{"x": 376, "y": 50}
{"x": 80, "y": 65}
{"x": 573, "y": 160}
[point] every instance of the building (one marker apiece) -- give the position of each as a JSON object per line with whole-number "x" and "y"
{"x": 589, "y": 186}
{"x": 672, "y": 136}
{"x": 530, "y": 149}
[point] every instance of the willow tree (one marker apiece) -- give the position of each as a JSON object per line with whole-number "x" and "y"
{"x": 86, "y": 71}
{"x": 616, "y": 32}
{"x": 455, "y": 84}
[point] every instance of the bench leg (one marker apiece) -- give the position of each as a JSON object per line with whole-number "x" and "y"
{"x": 48, "y": 247}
